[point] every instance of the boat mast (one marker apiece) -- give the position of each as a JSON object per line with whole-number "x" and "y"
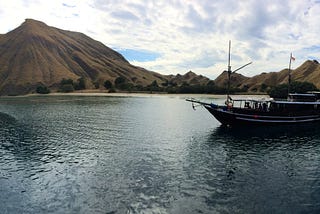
{"x": 231, "y": 72}
{"x": 289, "y": 73}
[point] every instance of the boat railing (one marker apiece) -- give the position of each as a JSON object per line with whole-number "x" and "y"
{"x": 259, "y": 105}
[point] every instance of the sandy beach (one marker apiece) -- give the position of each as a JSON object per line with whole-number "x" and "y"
{"x": 104, "y": 93}
{"x": 95, "y": 93}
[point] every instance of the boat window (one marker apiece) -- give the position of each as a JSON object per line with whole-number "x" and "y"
{"x": 264, "y": 106}
{"x": 247, "y": 104}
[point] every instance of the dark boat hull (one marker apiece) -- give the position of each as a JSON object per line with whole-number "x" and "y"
{"x": 238, "y": 117}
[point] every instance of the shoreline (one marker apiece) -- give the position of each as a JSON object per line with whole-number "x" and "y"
{"x": 99, "y": 93}
{"x": 120, "y": 94}
{"x": 142, "y": 95}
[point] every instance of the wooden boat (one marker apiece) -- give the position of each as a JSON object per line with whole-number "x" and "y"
{"x": 297, "y": 109}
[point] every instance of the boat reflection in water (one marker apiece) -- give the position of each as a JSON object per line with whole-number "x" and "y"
{"x": 287, "y": 131}
{"x": 266, "y": 170}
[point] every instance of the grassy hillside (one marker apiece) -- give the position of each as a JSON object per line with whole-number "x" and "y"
{"x": 35, "y": 53}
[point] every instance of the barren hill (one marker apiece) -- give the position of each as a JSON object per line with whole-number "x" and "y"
{"x": 309, "y": 71}
{"x": 35, "y": 54}
{"x": 190, "y": 77}
{"x": 235, "y": 80}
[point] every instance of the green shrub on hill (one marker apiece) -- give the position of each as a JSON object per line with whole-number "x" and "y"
{"x": 42, "y": 89}
{"x": 66, "y": 85}
{"x": 80, "y": 85}
{"x": 107, "y": 84}
{"x": 66, "y": 88}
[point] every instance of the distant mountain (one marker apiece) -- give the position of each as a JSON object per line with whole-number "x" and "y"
{"x": 309, "y": 71}
{"x": 35, "y": 54}
{"x": 190, "y": 78}
{"x": 235, "y": 80}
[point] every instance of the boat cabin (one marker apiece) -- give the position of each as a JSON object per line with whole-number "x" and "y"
{"x": 260, "y": 105}
{"x": 296, "y": 104}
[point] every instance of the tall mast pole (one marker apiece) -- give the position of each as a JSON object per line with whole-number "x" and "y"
{"x": 289, "y": 74}
{"x": 229, "y": 71}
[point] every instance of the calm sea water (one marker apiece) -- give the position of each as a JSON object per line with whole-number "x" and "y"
{"x": 149, "y": 155}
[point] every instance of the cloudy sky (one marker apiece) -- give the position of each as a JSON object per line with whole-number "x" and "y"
{"x": 175, "y": 36}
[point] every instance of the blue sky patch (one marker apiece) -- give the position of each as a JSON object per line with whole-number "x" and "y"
{"x": 313, "y": 48}
{"x": 139, "y": 55}
{"x": 68, "y": 5}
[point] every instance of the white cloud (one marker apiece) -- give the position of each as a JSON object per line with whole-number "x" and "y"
{"x": 188, "y": 35}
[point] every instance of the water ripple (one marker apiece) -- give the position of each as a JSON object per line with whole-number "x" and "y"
{"x": 149, "y": 155}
